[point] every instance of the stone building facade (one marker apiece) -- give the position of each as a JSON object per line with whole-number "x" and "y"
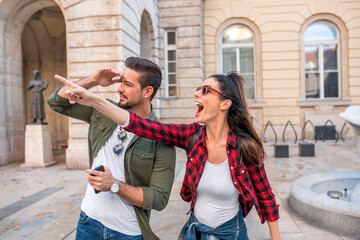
{"x": 301, "y": 58}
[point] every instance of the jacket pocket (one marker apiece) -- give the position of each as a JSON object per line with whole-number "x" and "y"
{"x": 192, "y": 160}
{"x": 96, "y": 127}
{"x": 142, "y": 163}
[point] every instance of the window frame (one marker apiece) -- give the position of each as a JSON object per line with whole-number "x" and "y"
{"x": 320, "y": 45}
{"x": 257, "y": 102}
{"x": 172, "y": 47}
{"x": 237, "y": 47}
{"x": 343, "y": 94}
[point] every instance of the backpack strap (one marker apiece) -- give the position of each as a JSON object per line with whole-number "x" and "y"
{"x": 192, "y": 141}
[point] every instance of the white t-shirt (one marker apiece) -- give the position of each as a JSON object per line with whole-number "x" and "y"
{"x": 108, "y": 208}
{"x": 217, "y": 199}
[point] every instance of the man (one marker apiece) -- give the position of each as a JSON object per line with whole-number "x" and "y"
{"x": 138, "y": 172}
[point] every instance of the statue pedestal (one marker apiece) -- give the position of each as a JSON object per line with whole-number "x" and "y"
{"x": 38, "y": 149}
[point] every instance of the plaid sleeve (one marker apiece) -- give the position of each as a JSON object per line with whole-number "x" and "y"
{"x": 177, "y": 135}
{"x": 266, "y": 198}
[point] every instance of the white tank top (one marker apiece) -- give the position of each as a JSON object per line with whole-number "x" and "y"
{"x": 217, "y": 199}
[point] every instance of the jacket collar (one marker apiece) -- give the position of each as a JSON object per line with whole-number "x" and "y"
{"x": 231, "y": 140}
{"x": 152, "y": 115}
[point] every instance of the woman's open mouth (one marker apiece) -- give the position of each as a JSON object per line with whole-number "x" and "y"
{"x": 200, "y": 108}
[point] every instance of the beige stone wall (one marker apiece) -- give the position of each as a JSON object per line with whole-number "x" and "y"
{"x": 186, "y": 18}
{"x": 280, "y": 23}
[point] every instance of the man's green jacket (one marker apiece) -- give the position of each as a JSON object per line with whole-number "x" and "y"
{"x": 148, "y": 164}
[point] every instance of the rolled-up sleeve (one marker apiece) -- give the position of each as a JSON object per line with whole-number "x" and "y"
{"x": 62, "y": 106}
{"x": 177, "y": 135}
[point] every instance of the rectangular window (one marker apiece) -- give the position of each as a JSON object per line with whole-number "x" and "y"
{"x": 240, "y": 59}
{"x": 312, "y": 73}
{"x": 321, "y": 71}
{"x": 171, "y": 64}
{"x": 331, "y": 78}
{"x": 247, "y": 70}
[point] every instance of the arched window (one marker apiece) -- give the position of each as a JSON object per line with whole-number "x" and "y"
{"x": 237, "y": 54}
{"x": 321, "y": 61}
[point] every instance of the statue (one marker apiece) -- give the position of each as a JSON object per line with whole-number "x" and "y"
{"x": 37, "y": 100}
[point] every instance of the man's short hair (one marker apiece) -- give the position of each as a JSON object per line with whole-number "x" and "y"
{"x": 150, "y": 72}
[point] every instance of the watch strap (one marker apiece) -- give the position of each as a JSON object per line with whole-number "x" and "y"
{"x": 117, "y": 182}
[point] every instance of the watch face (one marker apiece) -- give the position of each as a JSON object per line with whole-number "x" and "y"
{"x": 114, "y": 188}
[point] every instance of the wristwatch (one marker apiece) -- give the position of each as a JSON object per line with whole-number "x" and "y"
{"x": 115, "y": 187}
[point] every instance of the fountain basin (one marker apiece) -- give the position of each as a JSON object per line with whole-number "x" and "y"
{"x": 310, "y": 199}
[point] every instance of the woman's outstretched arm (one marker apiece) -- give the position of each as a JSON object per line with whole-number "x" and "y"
{"x": 173, "y": 134}
{"x": 80, "y": 95}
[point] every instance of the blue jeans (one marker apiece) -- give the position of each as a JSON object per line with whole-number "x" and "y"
{"x": 89, "y": 228}
{"x": 234, "y": 229}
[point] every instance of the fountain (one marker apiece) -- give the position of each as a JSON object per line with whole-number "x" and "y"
{"x": 352, "y": 117}
{"x": 331, "y": 199}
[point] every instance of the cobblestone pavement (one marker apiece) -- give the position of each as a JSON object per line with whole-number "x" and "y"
{"x": 45, "y": 203}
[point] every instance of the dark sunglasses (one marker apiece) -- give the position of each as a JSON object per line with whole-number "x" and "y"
{"x": 206, "y": 89}
{"x": 121, "y": 135}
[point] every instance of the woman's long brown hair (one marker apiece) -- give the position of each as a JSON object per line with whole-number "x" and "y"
{"x": 232, "y": 85}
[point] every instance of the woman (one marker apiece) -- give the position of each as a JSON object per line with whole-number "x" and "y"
{"x": 225, "y": 174}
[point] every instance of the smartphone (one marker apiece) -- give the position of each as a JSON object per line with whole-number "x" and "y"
{"x": 99, "y": 168}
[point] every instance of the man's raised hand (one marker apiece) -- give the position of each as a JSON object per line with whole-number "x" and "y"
{"x": 105, "y": 77}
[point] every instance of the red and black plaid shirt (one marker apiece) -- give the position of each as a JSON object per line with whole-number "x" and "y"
{"x": 250, "y": 181}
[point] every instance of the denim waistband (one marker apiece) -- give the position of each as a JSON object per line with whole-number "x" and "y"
{"x": 234, "y": 229}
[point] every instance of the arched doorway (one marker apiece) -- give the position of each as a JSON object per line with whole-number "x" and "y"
{"x": 34, "y": 38}
{"x": 147, "y": 41}
{"x": 44, "y": 48}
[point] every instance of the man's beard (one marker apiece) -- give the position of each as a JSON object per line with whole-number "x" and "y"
{"x": 126, "y": 106}
{"x": 130, "y": 105}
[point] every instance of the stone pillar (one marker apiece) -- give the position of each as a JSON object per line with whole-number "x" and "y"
{"x": 77, "y": 154}
{"x": 38, "y": 149}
